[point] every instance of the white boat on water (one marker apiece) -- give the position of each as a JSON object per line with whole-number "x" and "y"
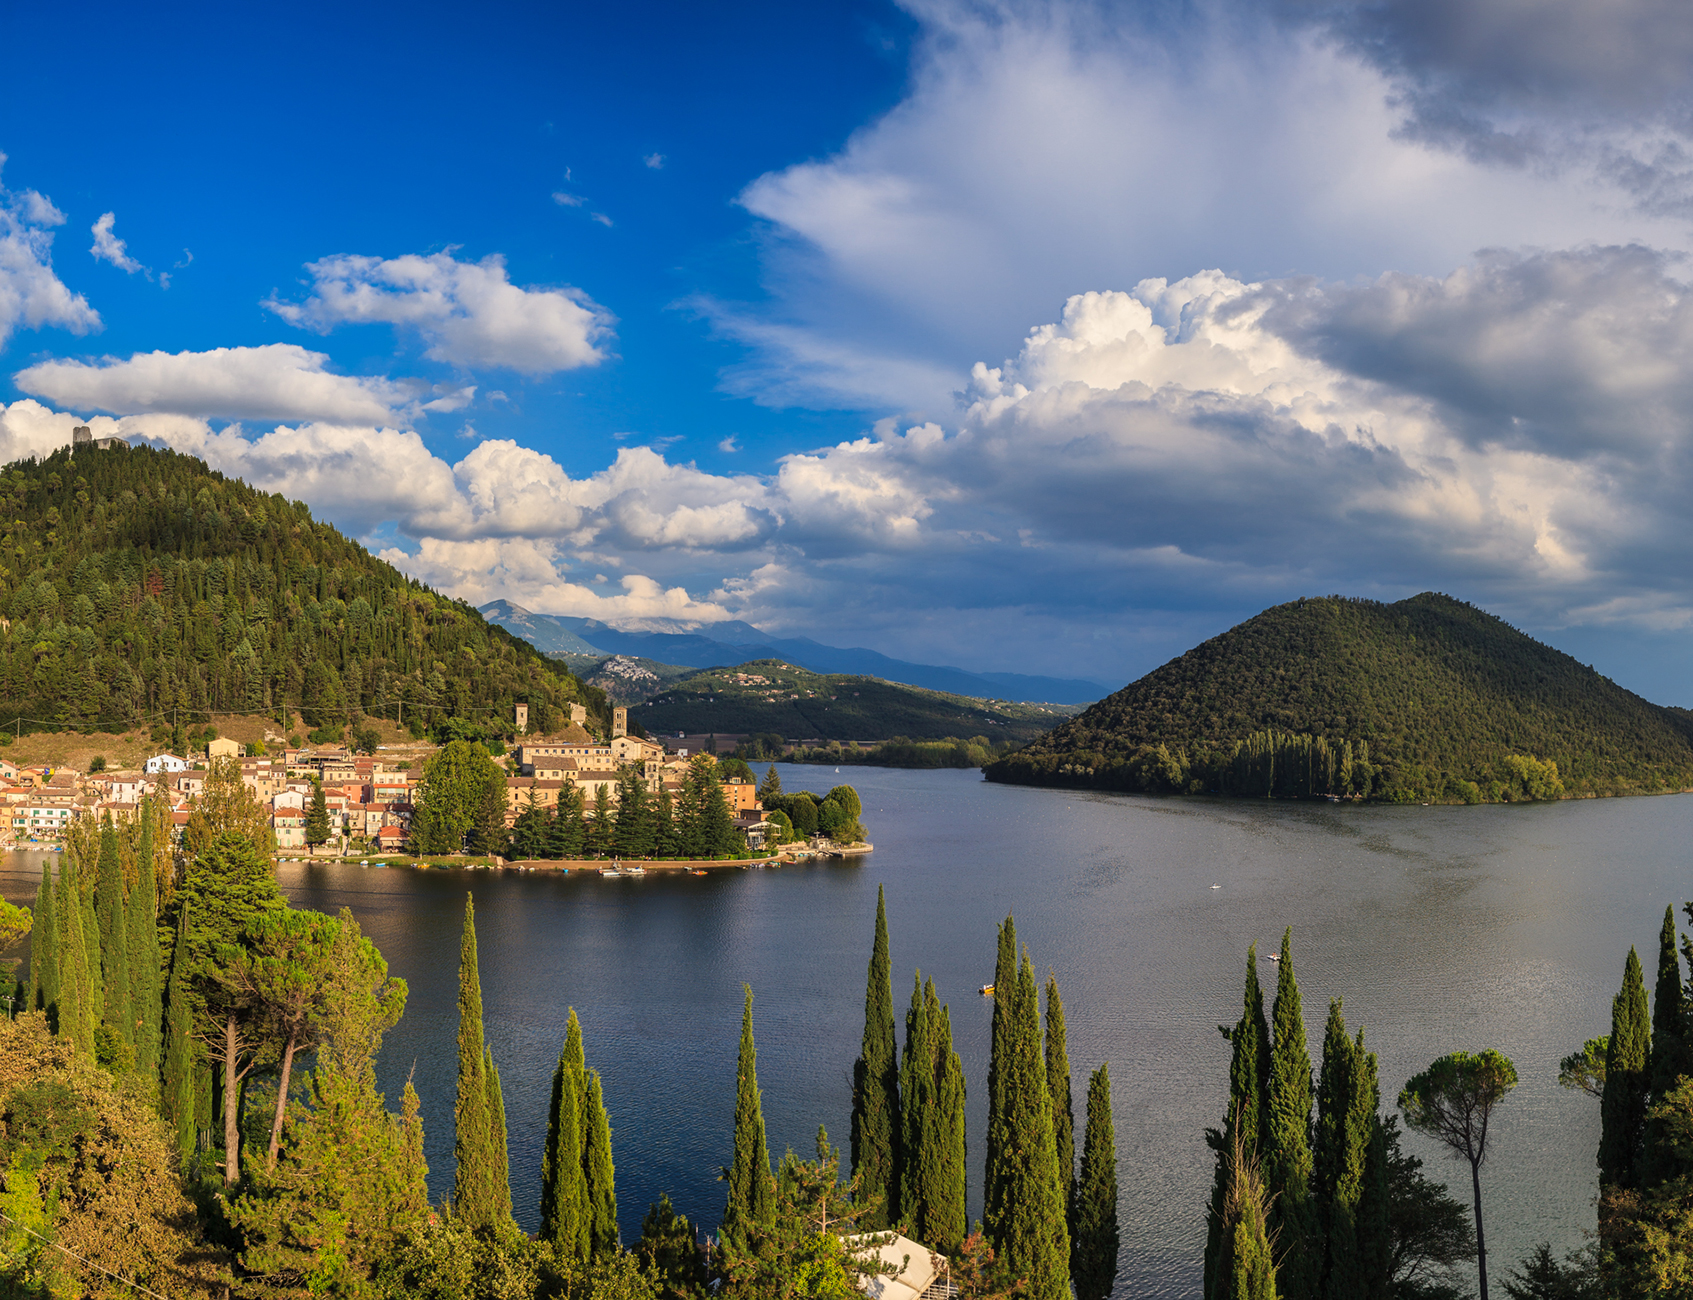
{"x": 634, "y": 871}
{"x": 613, "y": 870}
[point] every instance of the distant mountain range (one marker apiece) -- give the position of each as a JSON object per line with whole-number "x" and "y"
{"x": 728, "y": 644}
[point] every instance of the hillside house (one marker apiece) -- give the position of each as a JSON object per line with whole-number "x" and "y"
{"x": 164, "y": 764}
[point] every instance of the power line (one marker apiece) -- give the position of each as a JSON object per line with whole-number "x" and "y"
{"x": 80, "y": 1258}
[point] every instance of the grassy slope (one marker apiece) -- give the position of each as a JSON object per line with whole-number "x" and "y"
{"x": 798, "y": 705}
{"x": 1429, "y": 682}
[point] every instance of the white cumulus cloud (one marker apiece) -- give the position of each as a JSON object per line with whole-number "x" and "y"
{"x": 278, "y": 381}
{"x": 31, "y": 295}
{"x": 469, "y": 313}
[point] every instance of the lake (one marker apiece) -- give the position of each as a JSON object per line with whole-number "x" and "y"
{"x": 1442, "y": 928}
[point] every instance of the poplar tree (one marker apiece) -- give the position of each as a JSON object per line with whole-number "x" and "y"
{"x": 1032, "y": 1240}
{"x": 481, "y": 1183}
{"x": 1249, "y": 1082}
{"x": 1004, "y": 1003}
{"x": 875, "y": 1088}
{"x": 177, "y": 1102}
{"x": 1058, "y": 1082}
{"x": 1622, "y": 1105}
{"x": 145, "y": 959}
{"x": 752, "y": 1190}
{"x": 565, "y": 1214}
{"x": 1285, "y": 1144}
{"x": 110, "y": 906}
{"x": 43, "y": 952}
{"x": 601, "y": 1174}
{"x": 1094, "y": 1237}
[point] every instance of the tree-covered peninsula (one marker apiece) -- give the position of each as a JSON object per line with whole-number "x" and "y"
{"x": 1425, "y": 699}
{"x": 141, "y": 585}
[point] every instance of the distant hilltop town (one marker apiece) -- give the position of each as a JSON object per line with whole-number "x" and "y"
{"x": 369, "y": 799}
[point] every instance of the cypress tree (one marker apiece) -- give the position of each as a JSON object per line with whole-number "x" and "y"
{"x": 751, "y": 1187}
{"x": 1245, "y": 1268}
{"x": 177, "y": 1094}
{"x": 77, "y": 1016}
{"x": 1033, "y": 1240}
{"x": 1285, "y": 1144}
{"x": 145, "y": 960}
{"x": 1668, "y": 1057}
{"x": 1347, "y": 1098}
{"x": 1622, "y": 1106}
{"x": 565, "y": 1214}
{"x": 1004, "y": 1003}
{"x": 875, "y": 1086}
{"x": 111, "y": 905}
{"x": 1058, "y": 1081}
{"x": 601, "y": 1174}
{"x": 920, "y": 1139}
{"x": 43, "y": 958}
{"x": 1094, "y": 1239}
{"x": 1375, "y": 1228}
{"x": 481, "y": 1183}
{"x": 948, "y": 1219}
{"x": 1669, "y": 1012}
{"x": 1249, "y": 1081}
{"x": 500, "y": 1161}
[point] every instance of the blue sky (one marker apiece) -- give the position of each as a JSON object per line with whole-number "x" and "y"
{"x": 1050, "y": 337}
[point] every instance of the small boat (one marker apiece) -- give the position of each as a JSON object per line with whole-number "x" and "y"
{"x": 634, "y": 871}
{"x": 1275, "y": 956}
{"x": 697, "y": 871}
{"x": 1216, "y": 886}
{"x": 987, "y": 990}
{"x": 613, "y": 870}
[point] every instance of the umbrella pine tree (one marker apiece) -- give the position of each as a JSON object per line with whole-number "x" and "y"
{"x": 875, "y": 1086}
{"x": 1094, "y": 1238}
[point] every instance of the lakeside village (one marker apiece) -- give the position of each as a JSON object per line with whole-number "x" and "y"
{"x": 370, "y": 802}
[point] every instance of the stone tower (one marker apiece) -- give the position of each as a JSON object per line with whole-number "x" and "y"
{"x": 522, "y": 719}
{"x": 620, "y": 722}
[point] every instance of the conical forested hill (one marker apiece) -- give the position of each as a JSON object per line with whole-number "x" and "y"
{"x": 137, "y": 584}
{"x": 1426, "y": 698}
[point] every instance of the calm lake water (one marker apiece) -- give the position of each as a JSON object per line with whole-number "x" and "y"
{"x": 1442, "y": 928}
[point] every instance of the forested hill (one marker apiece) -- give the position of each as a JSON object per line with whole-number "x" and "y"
{"x": 135, "y": 583}
{"x": 1426, "y": 698}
